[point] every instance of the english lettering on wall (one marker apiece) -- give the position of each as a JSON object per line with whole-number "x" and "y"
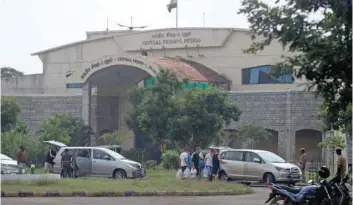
{"x": 115, "y": 61}
{"x": 172, "y": 39}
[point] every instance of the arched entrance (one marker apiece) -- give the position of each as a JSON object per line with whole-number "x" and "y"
{"x": 113, "y": 77}
{"x": 308, "y": 139}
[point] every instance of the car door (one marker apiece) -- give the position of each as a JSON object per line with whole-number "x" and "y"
{"x": 84, "y": 161}
{"x": 233, "y": 164}
{"x": 253, "y": 167}
{"x": 57, "y": 159}
{"x": 102, "y": 163}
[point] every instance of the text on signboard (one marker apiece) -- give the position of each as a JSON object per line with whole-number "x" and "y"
{"x": 108, "y": 61}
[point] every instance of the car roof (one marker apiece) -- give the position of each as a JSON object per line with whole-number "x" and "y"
{"x": 5, "y": 157}
{"x": 248, "y": 150}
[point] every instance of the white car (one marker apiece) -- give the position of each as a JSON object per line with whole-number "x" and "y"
{"x": 8, "y": 165}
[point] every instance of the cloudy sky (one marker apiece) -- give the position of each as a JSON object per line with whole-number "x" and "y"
{"x": 28, "y": 26}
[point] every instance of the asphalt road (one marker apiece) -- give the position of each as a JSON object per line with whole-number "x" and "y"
{"x": 252, "y": 199}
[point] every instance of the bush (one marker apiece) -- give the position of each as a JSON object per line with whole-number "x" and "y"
{"x": 137, "y": 155}
{"x": 11, "y": 140}
{"x": 170, "y": 159}
{"x": 151, "y": 164}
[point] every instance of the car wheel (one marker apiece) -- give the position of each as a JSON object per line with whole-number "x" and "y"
{"x": 119, "y": 174}
{"x": 223, "y": 176}
{"x": 269, "y": 178}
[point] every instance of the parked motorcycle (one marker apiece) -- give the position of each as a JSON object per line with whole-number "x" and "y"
{"x": 340, "y": 193}
{"x": 313, "y": 194}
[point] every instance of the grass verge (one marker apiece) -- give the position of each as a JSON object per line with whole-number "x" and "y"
{"x": 156, "y": 180}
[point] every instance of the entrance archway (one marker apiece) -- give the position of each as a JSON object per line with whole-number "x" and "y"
{"x": 114, "y": 77}
{"x": 308, "y": 139}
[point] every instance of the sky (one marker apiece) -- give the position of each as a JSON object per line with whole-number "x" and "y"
{"x": 28, "y": 26}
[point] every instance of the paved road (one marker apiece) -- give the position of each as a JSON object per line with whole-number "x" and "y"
{"x": 253, "y": 199}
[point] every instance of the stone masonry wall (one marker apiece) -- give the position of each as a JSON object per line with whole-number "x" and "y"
{"x": 283, "y": 112}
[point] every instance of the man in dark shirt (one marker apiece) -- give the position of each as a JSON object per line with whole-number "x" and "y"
{"x": 216, "y": 165}
{"x": 196, "y": 161}
{"x": 49, "y": 161}
{"x": 66, "y": 160}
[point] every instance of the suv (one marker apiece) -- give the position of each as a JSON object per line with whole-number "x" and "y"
{"x": 98, "y": 162}
{"x": 257, "y": 165}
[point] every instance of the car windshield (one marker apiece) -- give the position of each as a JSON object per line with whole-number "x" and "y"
{"x": 271, "y": 157}
{"x": 4, "y": 157}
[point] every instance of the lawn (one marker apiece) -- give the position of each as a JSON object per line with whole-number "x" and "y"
{"x": 156, "y": 180}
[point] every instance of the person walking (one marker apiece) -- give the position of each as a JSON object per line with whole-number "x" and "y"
{"x": 302, "y": 162}
{"x": 49, "y": 161}
{"x": 21, "y": 159}
{"x": 208, "y": 164}
{"x": 66, "y": 160}
{"x": 196, "y": 161}
{"x": 215, "y": 165}
{"x": 341, "y": 164}
{"x": 183, "y": 161}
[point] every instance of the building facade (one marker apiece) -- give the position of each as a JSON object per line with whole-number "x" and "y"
{"x": 91, "y": 79}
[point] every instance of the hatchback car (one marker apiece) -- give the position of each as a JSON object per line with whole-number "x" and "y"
{"x": 257, "y": 165}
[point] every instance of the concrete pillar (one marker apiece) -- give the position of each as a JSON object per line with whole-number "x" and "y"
{"x": 86, "y": 106}
{"x": 282, "y": 144}
{"x": 289, "y": 132}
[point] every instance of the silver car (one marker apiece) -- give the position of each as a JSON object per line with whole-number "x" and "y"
{"x": 257, "y": 165}
{"x": 99, "y": 162}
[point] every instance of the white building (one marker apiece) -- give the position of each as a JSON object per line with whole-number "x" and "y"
{"x": 91, "y": 79}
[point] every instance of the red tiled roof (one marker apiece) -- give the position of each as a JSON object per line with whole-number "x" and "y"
{"x": 188, "y": 69}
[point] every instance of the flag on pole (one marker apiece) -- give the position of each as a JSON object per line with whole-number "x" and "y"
{"x": 172, "y": 5}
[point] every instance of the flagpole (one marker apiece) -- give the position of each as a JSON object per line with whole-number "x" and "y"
{"x": 176, "y": 16}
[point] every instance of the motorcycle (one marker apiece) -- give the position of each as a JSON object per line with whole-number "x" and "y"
{"x": 293, "y": 195}
{"x": 340, "y": 192}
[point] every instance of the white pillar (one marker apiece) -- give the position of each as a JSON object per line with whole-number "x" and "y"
{"x": 86, "y": 105}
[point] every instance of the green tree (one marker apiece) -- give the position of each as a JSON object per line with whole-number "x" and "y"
{"x": 9, "y": 113}
{"x": 167, "y": 114}
{"x": 66, "y": 129}
{"x": 114, "y": 138}
{"x": 202, "y": 115}
{"x": 331, "y": 143}
{"x": 252, "y": 134}
{"x": 8, "y": 72}
{"x": 59, "y": 127}
{"x": 155, "y": 114}
{"x": 321, "y": 48}
{"x": 227, "y": 137}
{"x": 11, "y": 140}
{"x": 343, "y": 121}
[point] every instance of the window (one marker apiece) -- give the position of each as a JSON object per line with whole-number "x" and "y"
{"x": 74, "y": 85}
{"x": 234, "y": 155}
{"x": 85, "y": 153}
{"x": 99, "y": 154}
{"x": 262, "y": 75}
{"x": 250, "y": 156}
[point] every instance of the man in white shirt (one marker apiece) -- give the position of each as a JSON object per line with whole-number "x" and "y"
{"x": 183, "y": 160}
{"x": 209, "y": 164}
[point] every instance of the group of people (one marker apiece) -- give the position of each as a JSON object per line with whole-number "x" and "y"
{"x": 340, "y": 168}
{"x": 209, "y": 165}
{"x": 66, "y": 161}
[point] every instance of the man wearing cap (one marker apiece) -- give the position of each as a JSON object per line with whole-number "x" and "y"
{"x": 341, "y": 163}
{"x": 302, "y": 161}
{"x": 21, "y": 159}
